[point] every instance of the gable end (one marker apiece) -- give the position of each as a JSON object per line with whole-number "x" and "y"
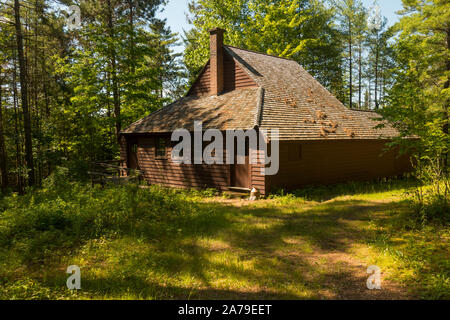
{"x": 202, "y": 86}
{"x": 234, "y": 78}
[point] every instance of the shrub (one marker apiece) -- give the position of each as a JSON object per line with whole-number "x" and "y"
{"x": 431, "y": 200}
{"x": 63, "y": 214}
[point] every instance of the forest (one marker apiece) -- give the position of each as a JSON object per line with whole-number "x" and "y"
{"x": 67, "y": 91}
{"x": 73, "y": 74}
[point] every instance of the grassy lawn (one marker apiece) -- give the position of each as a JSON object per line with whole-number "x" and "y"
{"x": 134, "y": 243}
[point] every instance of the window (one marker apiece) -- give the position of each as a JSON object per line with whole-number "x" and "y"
{"x": 161, "y": 145}
{"x": 295, "y": 152}
{"x": 134, "y": 148}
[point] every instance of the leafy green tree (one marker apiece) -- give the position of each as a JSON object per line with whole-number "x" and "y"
{"x": 360, "y": 34}
{"x": 419, "y": 98}
{"x": 66, "y": 93}
{"x": 116, "y": 71}
{"x": 171, "y": 69}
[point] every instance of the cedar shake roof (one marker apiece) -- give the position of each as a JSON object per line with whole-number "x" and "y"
{"x": 233, "y": 110}
{"x": 288, "y": 98}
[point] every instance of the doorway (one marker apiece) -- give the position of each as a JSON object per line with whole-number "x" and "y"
{"x": 241, "y": 173}
{"x": 132, "y": 157}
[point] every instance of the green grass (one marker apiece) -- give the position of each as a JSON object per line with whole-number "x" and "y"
{"x": 156, "y": 243}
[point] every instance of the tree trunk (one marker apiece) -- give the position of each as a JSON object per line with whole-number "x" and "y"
{"x": 17, "y": 130}
{"x": 350, "y": 62}
{"x": 3, "y": 165}
{"x": 376, "y": 74}
{"x": 35, "y": 97}
{"x": 131, "y": 25}
{"x": 447, "y": 102}
{"x": 24, "y": 94}
{"x": 359, "y": 75}
{"x": 114, "y": 72}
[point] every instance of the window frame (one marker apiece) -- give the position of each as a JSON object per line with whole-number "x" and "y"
{"x": 158, "y": 147}
{"x": 134, "y": 147}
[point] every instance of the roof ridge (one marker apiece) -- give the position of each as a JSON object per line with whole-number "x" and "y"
{"x": 259, "y": 106}
{"x": 258, "y": 52}
{"x": 362, "y": 110}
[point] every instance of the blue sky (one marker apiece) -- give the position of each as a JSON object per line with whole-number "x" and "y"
{"x": 175, "y": 13}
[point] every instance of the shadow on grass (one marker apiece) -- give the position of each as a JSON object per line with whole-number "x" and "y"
{"x": 137, "y": 287}
{"x": 231, "y": 252}
{"x": 325, "y": 226}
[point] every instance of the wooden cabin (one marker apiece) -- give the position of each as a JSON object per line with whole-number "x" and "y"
{"x": 321, "y": 141}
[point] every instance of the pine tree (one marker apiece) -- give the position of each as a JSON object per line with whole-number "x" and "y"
{"x": 419, "y": 97}
{"x": 350, "y": 14}
{"x": 65, "y": 94}
{"x": 3, "y": 156}
{"x": 24, "y": 93}
{"x": 376, "y": 42}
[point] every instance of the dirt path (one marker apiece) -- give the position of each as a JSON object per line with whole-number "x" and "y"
{"x": 347, "y": 279}
{"x": 329, "y": 264}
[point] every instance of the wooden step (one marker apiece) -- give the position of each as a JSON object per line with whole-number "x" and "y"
{"x": 240, "y": 189}
{"x": 238, "y": 192}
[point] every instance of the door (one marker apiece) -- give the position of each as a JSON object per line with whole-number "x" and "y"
{"x": 240, "y": 173}
{"x": 132, "y": 162}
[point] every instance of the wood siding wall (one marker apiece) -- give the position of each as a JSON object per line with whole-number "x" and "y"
{"x": 234, "y": 76}
{"x": 318, "y": 162}
{"x": 203, "y": 84}
{"x": 165, "y": 172}
{"x": 325, "y": 162}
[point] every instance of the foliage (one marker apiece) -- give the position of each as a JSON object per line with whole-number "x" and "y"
{"x": 432, "y": 197}
{"x": 352, "y": 20}
{"x": 419, "y": 98}
{"x": 380, "y": 56}
{"x": 63, "y": 214}
{"x": 84, "y": 84}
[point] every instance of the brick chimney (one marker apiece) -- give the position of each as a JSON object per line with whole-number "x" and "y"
{"x": 216, "y": 60}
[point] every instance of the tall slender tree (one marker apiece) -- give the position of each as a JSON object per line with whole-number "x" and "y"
{"x": 376, "y": 42}
{"x": 350, "y": 14}
{"x": 24, "y": 93}
{"x": 3, "y": 156}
